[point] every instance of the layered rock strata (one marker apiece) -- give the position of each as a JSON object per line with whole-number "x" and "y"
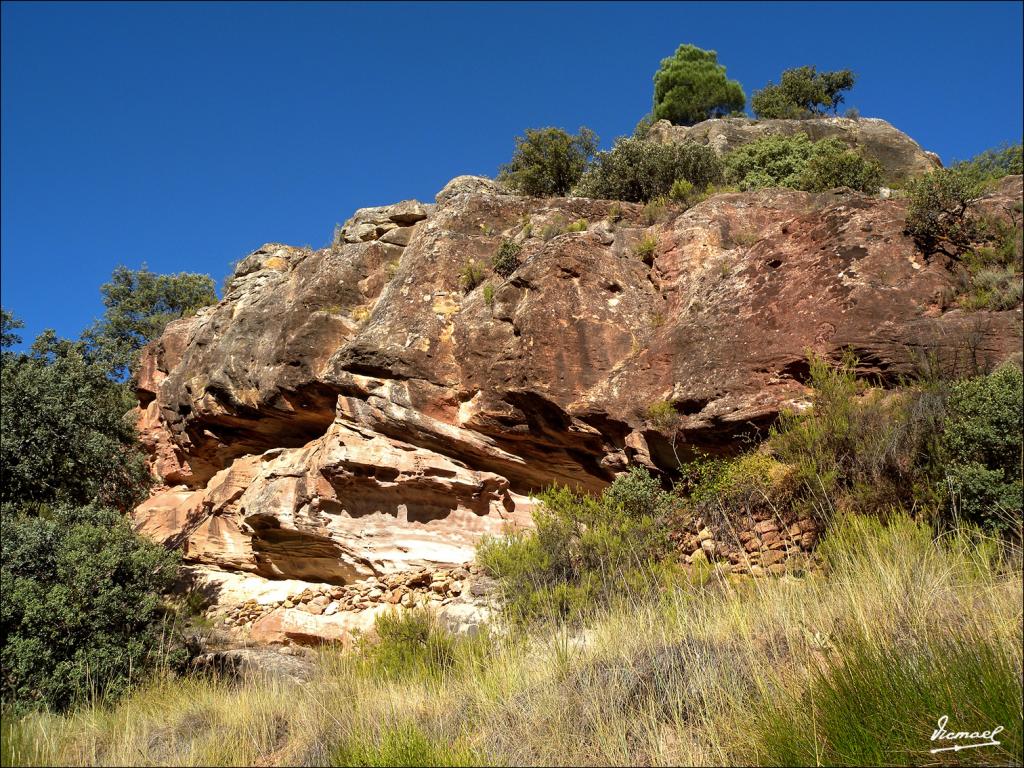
{"x": 347, "y": 414}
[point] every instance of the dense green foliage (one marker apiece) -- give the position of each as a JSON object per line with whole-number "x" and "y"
{"x": 583, "y": 547}
{"x": 64, "y": 434}
{"x": 635, "y": 170}
{"x": 547, "y": 162}
{"x": 862, "y": 449}
{"x": 797, "y": 162}
{"x": 409, "y": 643}
{"x": 139, "y": 304}
{"x": 983, "y": 445}
{"x": 948, "y": 450}
{"x": 9, "y": 326}
{"x": 81, "y": 612}
{"x": 691, "y": 86}
{"x": 802, "y": 92}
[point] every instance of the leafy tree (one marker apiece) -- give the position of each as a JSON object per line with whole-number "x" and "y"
{"x": 79, "y": 591}
{"x": 635, "y": 170}
{"x": 80, "y": 609}
{"x": 802, "y": 92}
{"x": 939, "y": 216}
{"x": 691, "y": 86}
{"x": 9, "y": 324}
{"x": 797, "y": 162}
{"x": 139, "y": 304}
{"x": 547, "y": 162}
{"x": 64, "y": 435}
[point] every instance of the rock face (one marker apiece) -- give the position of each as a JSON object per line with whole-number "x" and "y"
{"x": 353, "y": 412}
{"x": 899, "y": 154}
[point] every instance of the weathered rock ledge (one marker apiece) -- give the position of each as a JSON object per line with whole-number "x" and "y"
{"x": 901, "y": 157}
{"x": 350, "y": 414}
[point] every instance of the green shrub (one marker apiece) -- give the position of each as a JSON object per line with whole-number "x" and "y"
{"x": 939, "y": 217}
{"x": 489, "y": 295}
{"x": 654, "y": 211}
{"x": 691, "y": 86}
{"x": 471, "y": 276}
{"x": 409, "y": 643}
{"x": 797, "y": 162}
{"x": 637, "y": 171}
{"x": 548, "y": 162}
{"x": 645, "y": 249}
{"x": 506, "y": 260}
{"x": 866, "y": 450}
{"x": 771, "y": 161}
{"x": 580, "y": 225}
{"x": 687, "y": 194}
{"x": 662, "y": 415}
{"x": 81, "y": 611}
{"x": 583, "y": 548}
{"x": 983, "y": 445}
{"x": 802, "y": 92}
{"x": 832, "y": 164}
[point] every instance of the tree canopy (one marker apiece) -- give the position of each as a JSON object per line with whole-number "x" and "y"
{"x": 139, "y": 304}
{"x": 691, "y": 86}
{"x": 802, "y": 92}
{"x": 547, "y": 162}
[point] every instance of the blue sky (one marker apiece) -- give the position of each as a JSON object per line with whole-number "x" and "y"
{"x": 186, "y": 135}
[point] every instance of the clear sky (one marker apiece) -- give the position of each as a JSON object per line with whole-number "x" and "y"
{"x": 186, "y": 135}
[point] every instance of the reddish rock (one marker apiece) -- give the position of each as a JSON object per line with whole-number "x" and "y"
{"x": 352, "y": 410}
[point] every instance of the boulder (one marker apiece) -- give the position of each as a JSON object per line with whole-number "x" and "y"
{"x": 462, "y": 185}
{"x": 900, "y": 156}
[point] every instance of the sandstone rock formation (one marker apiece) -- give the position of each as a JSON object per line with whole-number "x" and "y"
{"x": 899, "y": 154}
{"x": 351, "y": 413}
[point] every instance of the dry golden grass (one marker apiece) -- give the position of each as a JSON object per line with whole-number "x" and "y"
{"x": 682, "y": 679}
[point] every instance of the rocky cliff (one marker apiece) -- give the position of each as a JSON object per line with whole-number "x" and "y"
{"x": 353, "y": 413}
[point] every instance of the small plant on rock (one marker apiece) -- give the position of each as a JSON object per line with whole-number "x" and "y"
{"x": 552, "y": 230}
{"x": 645, "y": 250}
{"x": 655, "y": 210}
{"x": 471, "y": 276}
{"x": 506, "y": 260}
{"x": 580, "y": 225}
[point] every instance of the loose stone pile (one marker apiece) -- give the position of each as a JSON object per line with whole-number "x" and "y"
{"x": 427, "y": 586}
{"x": 760, "y": 544}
